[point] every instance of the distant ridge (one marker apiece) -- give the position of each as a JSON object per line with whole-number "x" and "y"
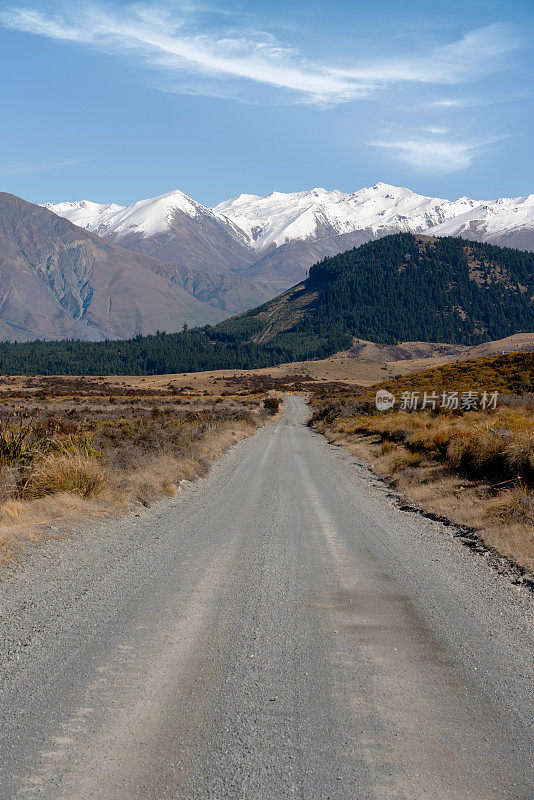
{"x": 260, "y": 223}
{"x": 275, "y": 239}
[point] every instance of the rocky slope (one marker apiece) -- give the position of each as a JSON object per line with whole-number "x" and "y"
{"x": 60, "y": 281}
{"x": 231, "y": 293}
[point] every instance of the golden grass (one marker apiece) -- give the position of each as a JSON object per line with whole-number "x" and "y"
{"x": 74, "y": 473}
{"x": 510, "y": 372}
{"x": 497, "y": 445}
{"x": 474, "y": 469}
{"x": 94, "y": 455}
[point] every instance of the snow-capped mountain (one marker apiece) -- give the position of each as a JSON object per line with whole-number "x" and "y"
{"x": 172, "y": 227}
{"x": 145, "y": 217}
{"x": 508, "y": 222}
{"x": 84, "y": 213}
{"x": 380, "y": 209}
{"x": 276, "y": 238}
{"x": 260, "y": 223}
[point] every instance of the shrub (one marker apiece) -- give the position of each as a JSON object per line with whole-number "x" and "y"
{"x": 387, "y": 447}
{"x": 272, "y": 404}
{"x": 403, "y": 459}
{"x": 16, "y": 446}
{"x": 514, "y": 503}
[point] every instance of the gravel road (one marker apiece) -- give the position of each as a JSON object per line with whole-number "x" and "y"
{"x": 280, "y": 629}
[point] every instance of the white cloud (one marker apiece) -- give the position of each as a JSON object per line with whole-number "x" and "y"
{"x": 437, "y": 155}
{"x": 30, "y": 21}
{"x": 172, "y": 43}
{"x": 447, "y": 102}
{"x": 437, "y": 129}
{"x": 187, "y": 51}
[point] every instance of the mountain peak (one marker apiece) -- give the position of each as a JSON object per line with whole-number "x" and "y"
{"x": 145, "y": 217}
{"x": 259, "y": 222}
{"x": 387, "y": 186}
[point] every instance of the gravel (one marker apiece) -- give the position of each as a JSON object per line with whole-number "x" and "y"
{"x": 279, "y": 629}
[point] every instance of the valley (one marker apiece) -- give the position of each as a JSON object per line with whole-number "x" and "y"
{"x": 399, "y": 288}
{"x": 266, "y": 400}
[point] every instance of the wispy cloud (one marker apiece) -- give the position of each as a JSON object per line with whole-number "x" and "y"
{"x": 474, "y": 55}
{"x": 437, "y": 155}
{"x": 465, "y": 102}
{"x": 448, "y": 102}
{"x": 174, "y": 44}
{"x": 436, "y": 129}
{"x": 195, "y": 55}
{"x": 29, "y": 168}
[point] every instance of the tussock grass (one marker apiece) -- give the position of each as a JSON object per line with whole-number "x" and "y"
{"x": 497, "y": 445}
{"x": 74, "y": 473}
{"x": 475, "y": 468}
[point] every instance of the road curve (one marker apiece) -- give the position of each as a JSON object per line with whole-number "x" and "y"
{"x": 280, "y": 630}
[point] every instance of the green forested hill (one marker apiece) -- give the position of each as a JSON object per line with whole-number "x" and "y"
{"x": 399, "y": 288}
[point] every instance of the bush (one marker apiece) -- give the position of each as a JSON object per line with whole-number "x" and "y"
{"x": 272, "y": 404}
{"x": 16, "y": 445}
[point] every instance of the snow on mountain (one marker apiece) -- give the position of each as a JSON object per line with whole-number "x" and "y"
{"x": 84, "y": 213}
{"x": 259, "y": 223}
{"x": 496, "y": 219}
{"x": 380, "y": 209}
{"x": 145, "y": 218}
{"x": 171, "y": 227}
{"x": 153, "y": 216}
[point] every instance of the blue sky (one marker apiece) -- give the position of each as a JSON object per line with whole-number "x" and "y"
{"x": 116, "y": 101}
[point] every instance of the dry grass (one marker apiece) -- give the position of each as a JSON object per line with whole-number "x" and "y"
{"x": 474, "y": 468}
{"x": 497, "y": 445}
{"x": 72, "y": 450}
{"x": 507, "y": 372}
{"x": 502, "y": 516}
{"x": 74, "y": 473}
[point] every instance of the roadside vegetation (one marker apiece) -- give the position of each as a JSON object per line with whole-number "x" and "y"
{"x": 76, "y": 448}
{"x": 472, "y": 467}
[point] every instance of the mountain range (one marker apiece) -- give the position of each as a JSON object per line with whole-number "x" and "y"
{"x": 239, "y": 232}
{"x": 95, "y": 271}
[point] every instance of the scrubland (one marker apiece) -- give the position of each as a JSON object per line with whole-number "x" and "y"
{"x": 80, "y": 448}
{"x": 472, "y": 467}
{"x": 74, "y": 448}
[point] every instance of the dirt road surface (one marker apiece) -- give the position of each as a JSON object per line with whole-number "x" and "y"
{"x": 279, "y": 630}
